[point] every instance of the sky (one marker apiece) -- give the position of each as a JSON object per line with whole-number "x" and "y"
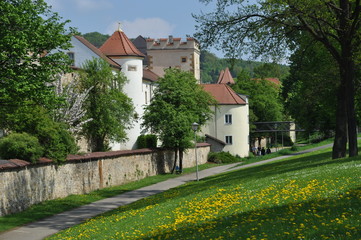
{"x": 149, "y": 18}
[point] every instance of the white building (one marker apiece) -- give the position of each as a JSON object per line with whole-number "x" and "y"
{"x": 123, "y": 56}
{"x": 230, "y": 122}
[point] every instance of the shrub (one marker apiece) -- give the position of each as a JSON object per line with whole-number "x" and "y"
{"x": 147, "y": 141}
{"x": 223, "y": 157}
{"x": 21, "y": 146}
{"x": 53, "y": 136}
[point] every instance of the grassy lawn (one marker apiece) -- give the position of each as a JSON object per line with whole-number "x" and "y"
{"x": 52, "y": 207}
{"x": 309, "y": 196}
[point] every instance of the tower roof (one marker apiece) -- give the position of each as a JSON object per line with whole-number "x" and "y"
{"x": 120, "y": 45}
{"x": 225, "y": 77}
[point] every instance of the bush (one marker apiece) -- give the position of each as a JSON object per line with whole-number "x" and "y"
{"x": 223, "y": 157}
{"x": 21, "y": 146}
{"x": 53, "y": 136}
{"x": 147, "y": 141}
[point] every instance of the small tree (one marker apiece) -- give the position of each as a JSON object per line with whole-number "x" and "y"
{"x": 72, "y": 112}
{"x": 178, "y": 102}
{"x": 109, "y": 108}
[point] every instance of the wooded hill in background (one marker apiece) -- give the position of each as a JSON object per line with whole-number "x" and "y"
{"x": 211, "y": 65}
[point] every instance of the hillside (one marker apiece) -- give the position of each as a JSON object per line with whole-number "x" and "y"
{"x": 211, "y": 65}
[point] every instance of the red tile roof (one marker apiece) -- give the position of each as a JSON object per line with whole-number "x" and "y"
{"x": 97, "y": 51}
{"x": 119, "y": 45}
{"x": 225, "y": 77}
{"x": 150, "y": 75}
{"x": 224, "y": 94}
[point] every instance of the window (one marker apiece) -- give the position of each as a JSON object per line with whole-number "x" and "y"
{"x": 183, "y": 59}
{"x": 72, "y": 58}
{"x": 146, "y": 97}
{"x": 132, "y": 68}
{"x": 228, "y": 119}
{"x": 229, "y": 140}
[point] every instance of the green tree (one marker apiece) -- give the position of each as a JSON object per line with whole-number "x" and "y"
{"x": 270, "y": 26}
{"x": 310, "y": 89}
{"x": 28, "y": 31}
{"x": 97, "y": 39}
{"x": 264, "y": 101}
{"x": 109, "y": 108}
{"x": 178, "y": 102}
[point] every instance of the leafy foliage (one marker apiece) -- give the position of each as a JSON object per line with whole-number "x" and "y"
{"x": 53, "y": 136}
{"x": 310, "y": 89}
{"x": 211, "y": 67}
{"x": 109, "y": 108}
{"x": 222, "y": 157}
{"x": 22, "y": 146}
{"x": 178, "y": 102}
{"x": 97, "y": 39}
{"x": 271, "y": 27}
{"x": 147, "y": 141}
{"x": 29, "y": 30}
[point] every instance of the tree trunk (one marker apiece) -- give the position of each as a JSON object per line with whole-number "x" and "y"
{"x": 340, "y": 141}
{"x": 175, "y": 160}
{"x": 348, "y": 76}
{"x": 181, "y": 160}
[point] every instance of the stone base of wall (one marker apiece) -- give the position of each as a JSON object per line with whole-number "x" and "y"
{"x": 24, "y": 184}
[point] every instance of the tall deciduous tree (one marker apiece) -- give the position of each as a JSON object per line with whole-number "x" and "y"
{"x": 28, "y": 31}
{"x": 311, "y": 88}
{"x": 109, "y": 108}
{"x": 270, "y": 27}
{"x": 178, "y": 102}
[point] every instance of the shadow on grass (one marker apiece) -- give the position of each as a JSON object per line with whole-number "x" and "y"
{"x": 250, "y": 174}
{"x": 328, "y": 218}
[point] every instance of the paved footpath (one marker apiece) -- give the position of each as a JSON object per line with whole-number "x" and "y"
{"x": 49, "y": 226}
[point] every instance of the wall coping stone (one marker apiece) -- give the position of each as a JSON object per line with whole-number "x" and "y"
{"x": 18, "y": 163}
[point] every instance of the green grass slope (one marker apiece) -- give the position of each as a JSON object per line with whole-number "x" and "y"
{"x": 306, "y": 197}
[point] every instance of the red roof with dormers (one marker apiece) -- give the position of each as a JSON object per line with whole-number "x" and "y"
{"x": 119, "y": 45}
{"x": 225, "y": 77}
{"x": 223, "y": 94}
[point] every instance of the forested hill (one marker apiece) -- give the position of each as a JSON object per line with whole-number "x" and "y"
{"x": 211, "y": 65}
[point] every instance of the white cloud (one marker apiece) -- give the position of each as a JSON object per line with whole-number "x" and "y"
{"x": 147, "y": 27}
{"x": 90, "y": 5}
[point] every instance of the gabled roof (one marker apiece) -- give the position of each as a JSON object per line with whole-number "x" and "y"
{"x": 97, "y": 52}
{"x": 119, "y": 45}
{"x": 150, "y": 75}
{"x": 223, "y": 94}
{"x": 225, "y": 77}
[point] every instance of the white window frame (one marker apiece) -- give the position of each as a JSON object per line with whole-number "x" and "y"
{"x": 228, "y": 119}
{"x": 228, "y": 139}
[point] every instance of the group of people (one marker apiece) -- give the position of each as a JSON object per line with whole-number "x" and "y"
{"x": 260, "y": 151}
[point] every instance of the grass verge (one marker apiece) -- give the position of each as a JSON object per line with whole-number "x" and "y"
{"x": 308, "y": 196}
{"x": 52, "y": 207}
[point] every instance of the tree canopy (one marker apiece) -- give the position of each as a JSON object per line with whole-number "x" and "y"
{"x": 270, "y": 27}
{"x": 29, "y": 30}
{"x": 178, "y": 102}
{"x": 109, "y": 108}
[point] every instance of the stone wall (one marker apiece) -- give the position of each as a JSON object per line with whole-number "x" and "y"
{"x": 23, "y": 184}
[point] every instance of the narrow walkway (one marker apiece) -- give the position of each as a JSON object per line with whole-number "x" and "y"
{"x": 49, "y": 226}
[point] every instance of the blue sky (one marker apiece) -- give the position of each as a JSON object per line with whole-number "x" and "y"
{"x": 149, "y": 18}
